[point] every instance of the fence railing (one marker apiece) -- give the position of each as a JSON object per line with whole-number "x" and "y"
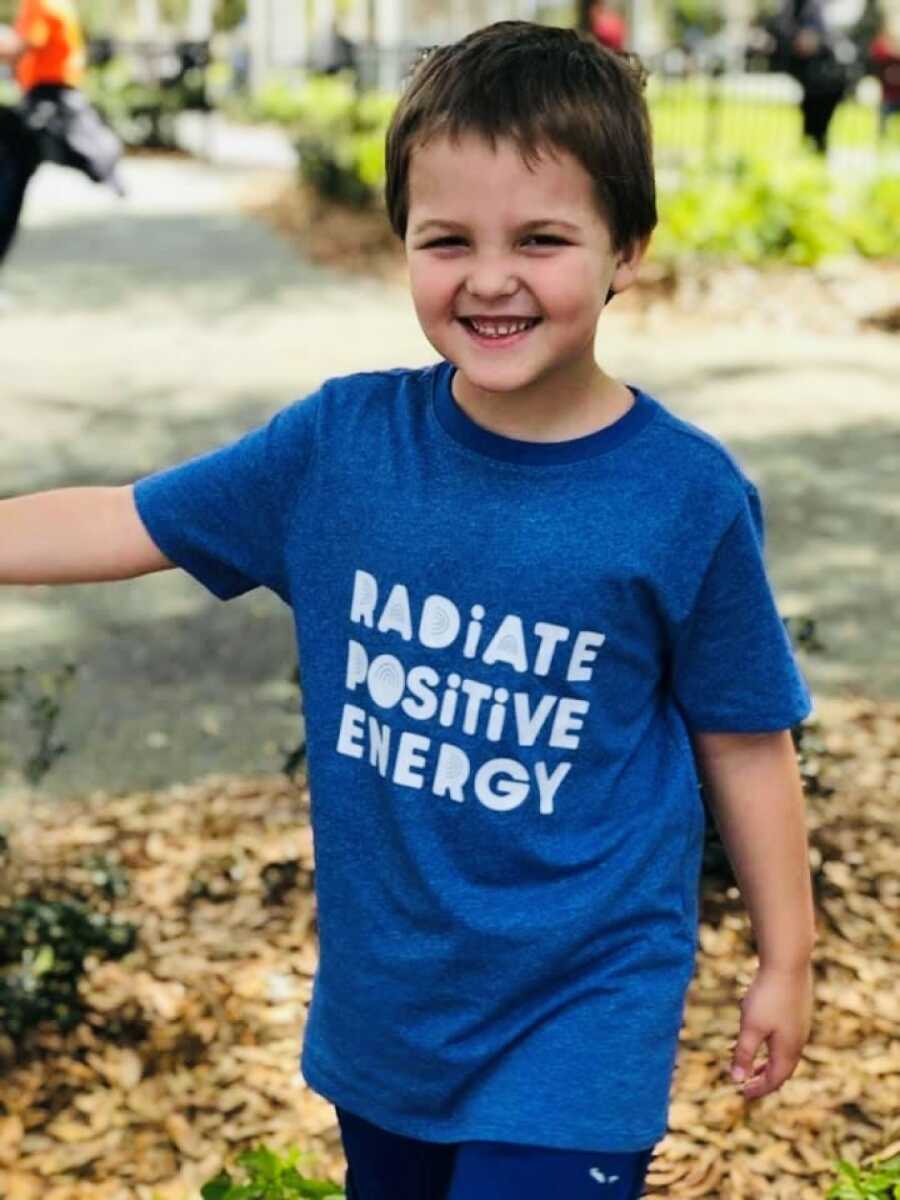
{"x": 706, "y": 112}
{"x": 698, "y": 108}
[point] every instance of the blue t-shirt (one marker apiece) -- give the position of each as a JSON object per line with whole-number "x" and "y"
{"x": 503, "y": 648}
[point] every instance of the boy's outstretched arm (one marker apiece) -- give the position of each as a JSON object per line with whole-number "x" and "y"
{"x": 75, "y": 535}
{"x": 756, "y": 797}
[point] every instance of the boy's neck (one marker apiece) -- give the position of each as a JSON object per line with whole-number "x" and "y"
{"x": 553, "y": 411}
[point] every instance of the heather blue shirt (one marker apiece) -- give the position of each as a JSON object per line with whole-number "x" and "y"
{"x": 503, "y": 647}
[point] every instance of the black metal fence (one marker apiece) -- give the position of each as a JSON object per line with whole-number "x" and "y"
{"x": 700, "y": 104}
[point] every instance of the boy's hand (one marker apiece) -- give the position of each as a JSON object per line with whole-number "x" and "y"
{"x": 776, "y": 1010}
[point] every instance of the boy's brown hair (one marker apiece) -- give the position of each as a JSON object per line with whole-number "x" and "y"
{"x": 545, "y": 88}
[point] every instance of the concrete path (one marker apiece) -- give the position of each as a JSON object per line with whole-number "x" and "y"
{"x": 154, "y": 328}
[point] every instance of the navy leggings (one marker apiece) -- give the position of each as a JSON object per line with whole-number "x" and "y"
{"x": 386, "y": 1166}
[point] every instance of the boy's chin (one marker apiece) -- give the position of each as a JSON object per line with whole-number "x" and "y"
{"x": 497, "y": 380}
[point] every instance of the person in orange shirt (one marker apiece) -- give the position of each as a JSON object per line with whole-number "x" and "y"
{"x": 54, "y": 121}
{"x": 52, "y": 47}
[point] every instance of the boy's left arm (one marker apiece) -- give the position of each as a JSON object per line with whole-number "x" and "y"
{"x": 755, "y": 794}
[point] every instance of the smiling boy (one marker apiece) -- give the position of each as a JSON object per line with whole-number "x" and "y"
{"x": 511, "y": 291}
{"x": 508, "y": 571}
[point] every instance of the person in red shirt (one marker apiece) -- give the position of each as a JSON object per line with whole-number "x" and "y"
{"x": 45, "y": 47}
{"x": 608, "y": 26}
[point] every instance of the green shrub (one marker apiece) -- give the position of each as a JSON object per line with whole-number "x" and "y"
{"x": 338, "y": 132}
{"x": 269, "y": 1177}
{"x": 882, "y": 1182}
{"x": 874, "y": 223}
{"x": 754, "y": 210}
{"x": 140, "y": 113}
{"x": 143, "y": 113}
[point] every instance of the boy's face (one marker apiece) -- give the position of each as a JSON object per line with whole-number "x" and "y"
{"x": 509, "y": 265}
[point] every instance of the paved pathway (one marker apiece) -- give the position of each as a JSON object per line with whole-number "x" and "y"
{"x": 150, "y": 329}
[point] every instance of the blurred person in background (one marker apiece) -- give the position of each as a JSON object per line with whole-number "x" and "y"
{"x": 884, "y": 60}
{"x": 607, "y": 25}
{"x": 240, "y": 57}
{"x": 807, "y": 51}
{"x": 53, "y": 121}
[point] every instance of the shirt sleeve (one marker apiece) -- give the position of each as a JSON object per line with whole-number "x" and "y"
{"x": 224, "y": 516}
{"x": 734, "y": 668}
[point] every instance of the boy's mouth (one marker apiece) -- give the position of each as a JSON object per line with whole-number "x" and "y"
{"x": 498, "y": 329}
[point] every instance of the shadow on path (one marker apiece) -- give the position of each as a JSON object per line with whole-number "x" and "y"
{"x": 832, "y": 504}
{"x": 206, "y": 264}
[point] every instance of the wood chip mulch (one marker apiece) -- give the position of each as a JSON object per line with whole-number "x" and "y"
{"x": 190, "y": 1050}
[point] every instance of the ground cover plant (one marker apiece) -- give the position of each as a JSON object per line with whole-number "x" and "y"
{"x": 855, "y": 1184}
{"x": 268, "y": 1176}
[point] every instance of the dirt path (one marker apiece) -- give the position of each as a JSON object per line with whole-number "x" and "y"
{"x": 152, "y": 329}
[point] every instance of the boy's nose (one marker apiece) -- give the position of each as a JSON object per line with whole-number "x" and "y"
{"x": 492, "y": 279}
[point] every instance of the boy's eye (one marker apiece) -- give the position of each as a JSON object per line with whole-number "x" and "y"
{"x": 544, "y": 239}
{"x": 453, "y": 241}
{"x": 442, "y": 243}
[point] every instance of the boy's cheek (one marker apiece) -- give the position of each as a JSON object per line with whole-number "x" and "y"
{"x": 432, "y": 291}
{"x": 421, "y": 278}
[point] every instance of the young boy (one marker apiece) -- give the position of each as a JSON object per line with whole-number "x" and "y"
{"x": 526, "y": 596}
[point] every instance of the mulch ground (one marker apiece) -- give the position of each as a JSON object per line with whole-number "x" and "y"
{"x": 189, "y": 1051}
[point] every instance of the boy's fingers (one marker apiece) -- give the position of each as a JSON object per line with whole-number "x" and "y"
{"x": 745, "y": 1050}
{"x": 783, "y": 1059}
{"x": 771, "y": 1074}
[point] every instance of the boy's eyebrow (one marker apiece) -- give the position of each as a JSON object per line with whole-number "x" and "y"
{"x": 541, "y": 223}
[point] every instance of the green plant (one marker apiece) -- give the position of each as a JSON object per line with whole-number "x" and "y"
{"x": 754, "y": 209}
{"x": 269, "y": 1177}
{"x": 43, "y": 947}
{"x": 143, "y": 112}
{"x": 881, "y": 1182}
{"x": 873, "y": 223}
{"x": 705, "y": 15}
{"x": 339, "y": 133}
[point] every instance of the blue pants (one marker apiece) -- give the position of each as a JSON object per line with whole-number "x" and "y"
{"x": 386, "y": 1166}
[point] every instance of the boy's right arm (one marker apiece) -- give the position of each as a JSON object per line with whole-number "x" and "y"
{"x": 75, "y": 535}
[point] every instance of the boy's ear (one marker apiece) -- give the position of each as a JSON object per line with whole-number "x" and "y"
{"x": 629, "y": 260}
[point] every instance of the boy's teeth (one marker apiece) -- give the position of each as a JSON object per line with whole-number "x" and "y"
{"x": 499, "y": 328}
